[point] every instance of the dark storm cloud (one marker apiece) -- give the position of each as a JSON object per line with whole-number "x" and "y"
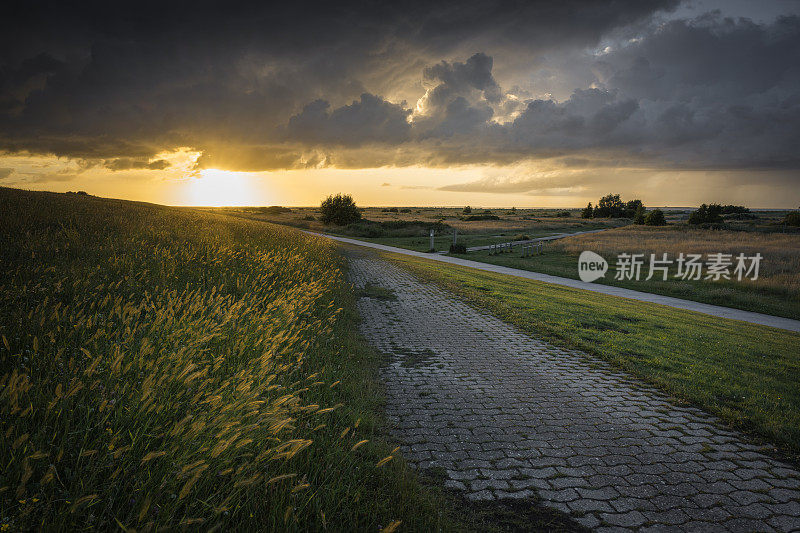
{"x": 369, "y": 119}
{"x": 711, "y": 93}
{"x": 111, "y": 80}
{"x": 475, "y": 73}
{"x": 256, "y": 87}
{"x": 126, "y": 163}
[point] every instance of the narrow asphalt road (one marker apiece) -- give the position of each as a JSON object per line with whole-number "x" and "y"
{"x": 708, "y": 309}
{"x": 507, "y": 415}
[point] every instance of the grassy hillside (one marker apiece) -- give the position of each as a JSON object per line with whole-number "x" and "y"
{"x": 162, "y": 368}
{"x": 746, "y": 374}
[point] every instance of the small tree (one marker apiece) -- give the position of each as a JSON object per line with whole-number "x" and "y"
{"x": 340, "y": 210}
{"x": 655, "y": 218}
{"x": 639, "y": 215}
{"x": 706, "y": 214}
{"x": 587, "y": 212}
{"x": 467, "y": 210}
{"x": 609, "y": 206}
{"x": 792, "y": 218}
{"x": 631, "y": 207}
{"x": 734, "y": 209}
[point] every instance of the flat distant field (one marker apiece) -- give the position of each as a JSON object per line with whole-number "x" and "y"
{"x": 776, "y": 292}
{"x": 164, "y": 369}
{"x": 409, "y": 227}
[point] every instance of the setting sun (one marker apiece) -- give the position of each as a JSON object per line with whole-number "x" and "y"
{"x": 215, "y": 188}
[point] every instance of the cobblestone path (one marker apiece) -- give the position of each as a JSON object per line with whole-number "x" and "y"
{"x": 506, "y": 414}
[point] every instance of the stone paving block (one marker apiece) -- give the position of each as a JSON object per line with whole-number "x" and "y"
{"x": 581, "y": 505}
{"x": 785, "y": 522}
{"x": 480, "y": 495}
{"x": 630, "y": 520}
{"x": 507, "y": 414}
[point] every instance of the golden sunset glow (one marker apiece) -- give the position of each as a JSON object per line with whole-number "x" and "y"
{"x": 216, "y": 188}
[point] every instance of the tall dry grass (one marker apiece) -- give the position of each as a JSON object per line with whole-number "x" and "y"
{"x": 779, "y": 269}
{"x": 153, "y": 369}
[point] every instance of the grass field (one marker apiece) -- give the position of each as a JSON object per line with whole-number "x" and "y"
{"x": 162, "y": 368}
{"x": 508, "y": 225}
{"x": 746, "y": 374}
{"x": 776, "y": 292}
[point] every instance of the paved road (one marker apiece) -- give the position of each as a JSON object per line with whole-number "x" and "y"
{"x": 538, "y": 239}
{"x": 506, "y": 414}
{"x": 714, "y": 310}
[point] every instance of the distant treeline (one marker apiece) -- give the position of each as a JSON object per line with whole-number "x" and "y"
{"x": 612, "y": 206}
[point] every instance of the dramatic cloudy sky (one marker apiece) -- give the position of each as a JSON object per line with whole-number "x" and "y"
{"x": 487, "y": 103}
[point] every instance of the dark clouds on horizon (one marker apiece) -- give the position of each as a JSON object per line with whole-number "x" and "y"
{"x": 354, "y": 85}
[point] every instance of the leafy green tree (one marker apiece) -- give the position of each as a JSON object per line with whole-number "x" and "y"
{"x": 587, "y": 212}
{"x": 655, "y": 218}
{"x": 792, "y": 219}
{"x": 734, "y": 209}
{"x": 609, "y": 206}
{"x": 706, "y": 214}
{"x": 631, "y": 207}
{"x": 340, "y": 210}
{"x": 640, "y": 215}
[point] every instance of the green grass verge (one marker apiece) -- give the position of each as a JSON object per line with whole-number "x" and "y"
{"x": 746, "y": 374}
{"x": 422, "y": 243}
{"x": 736, "y": 294}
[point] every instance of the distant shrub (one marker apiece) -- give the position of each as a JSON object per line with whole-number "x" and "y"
{"x": 365, "y": 228}
{"x": 522, "y": 237}
{"x": 467, "y": 210}
{"x": 458, "y": 248}
{"x": 340, "y": 210}
{"x": 273, "y": 210}
{"x": 612, "y": 206}
{"x": 473, "y": 218}
{"x": 588, "y": 211}
{"x": 631, "y": 208}
{"x": 640, "y": 216}
{"x": 405, "y": 210}
{"x": 563, "y": 214}
{"x": 733, "y": 209}
{"x": 740, "y": 216}
{"x": 309, "y": 218}
{"x": 792, "y": 219}
{"x": 393, "y": 228}
{"x": 403, "y": 224}
{"x": 655, "y": 218}
{"x": 609, "y": 206}
{"x": 390, "y": 210}
{"x": 706, "y": 214}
